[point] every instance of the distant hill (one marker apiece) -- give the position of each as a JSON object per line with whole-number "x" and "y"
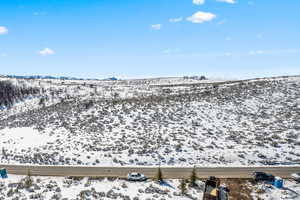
{"x": 111, "y": 79}
{"x": 54, "y": 77}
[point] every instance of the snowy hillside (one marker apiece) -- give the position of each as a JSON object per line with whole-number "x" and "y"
{"x": 172, "y": 121}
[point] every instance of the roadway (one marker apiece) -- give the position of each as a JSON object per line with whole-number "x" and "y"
{"x": 167, "y": 172}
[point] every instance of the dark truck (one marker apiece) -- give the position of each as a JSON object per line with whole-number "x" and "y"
{"x": 262, "y": 176}
{"x": 213, "y": 190}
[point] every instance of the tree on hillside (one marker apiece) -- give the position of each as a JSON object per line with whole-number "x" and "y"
{"x": 10, "y": 93}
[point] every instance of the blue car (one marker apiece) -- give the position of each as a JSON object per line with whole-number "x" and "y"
{"x": 3, "y": 173}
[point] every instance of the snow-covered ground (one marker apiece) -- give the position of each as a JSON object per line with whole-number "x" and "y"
{"x": 291, "y": 190}
{"x": 43, "y": 188}
{"x": 175, "y": 121}
{"x": 69, "y": 188}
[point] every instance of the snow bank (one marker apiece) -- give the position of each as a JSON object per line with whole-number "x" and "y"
{"x": 23, "y": 138}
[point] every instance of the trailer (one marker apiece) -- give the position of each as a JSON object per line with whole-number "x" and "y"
{"x": 213, "y": 190}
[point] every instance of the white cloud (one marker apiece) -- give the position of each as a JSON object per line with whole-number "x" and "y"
{"x": 227, "y": 1}
{"x": 174, "y": 20}
{"x": 156, "y": 26}
{"x": 3, "y": 30}
{"x": 200, "y": 17}
{"x": 3, "y": 55}
{"x": 46, "y": 52}
{"x": 198, "y": 2}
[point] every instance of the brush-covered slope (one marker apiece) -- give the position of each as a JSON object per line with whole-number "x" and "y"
{"x": 172, "y": 121}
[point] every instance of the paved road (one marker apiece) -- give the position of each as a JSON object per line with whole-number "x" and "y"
{"x": 168, "y": 172}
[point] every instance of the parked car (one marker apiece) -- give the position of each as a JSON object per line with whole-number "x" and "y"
{"x": 134, "y": 176}
{"x": 296, "y": 176}
{"x": 262, "y": 176}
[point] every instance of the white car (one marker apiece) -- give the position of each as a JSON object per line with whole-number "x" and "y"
{"x": 296, "y": 176}
{"x": 135, "y": 176}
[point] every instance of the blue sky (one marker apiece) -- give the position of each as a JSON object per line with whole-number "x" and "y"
{"x": 148, "y": 38}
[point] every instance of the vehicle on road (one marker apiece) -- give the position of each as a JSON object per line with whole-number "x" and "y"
{"x": 262, "y": 176}
{"x": 135, "y": 176}
{"x": 296, "y": 176}
{"x": 3, "y": 173}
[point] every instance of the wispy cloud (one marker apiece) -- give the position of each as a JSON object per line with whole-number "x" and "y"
{"x": 200, "y": 17}
{"x": 257, "y": 52}
{"x": 46, "y": 51}
{"x": 3, "y": 30}
{"x": 227, "y": 1}
{"x": 228, "y": 38}
{"x": 228, "y": 54}
{"x": 222, "y": 22}
{"x": 263, "y": 52}
{"x": 259, "y": 36}
{"x": 3, "y": 54}
{"x": 174, "y": 20}
{"x": 156, "y": 26}
{"x": 171, "y": 51}
{"x": 39, "y": 13}
{"x": 250, "y": 3}
{"x": 198, "y": 2}
{"x": 274, "y": 51}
